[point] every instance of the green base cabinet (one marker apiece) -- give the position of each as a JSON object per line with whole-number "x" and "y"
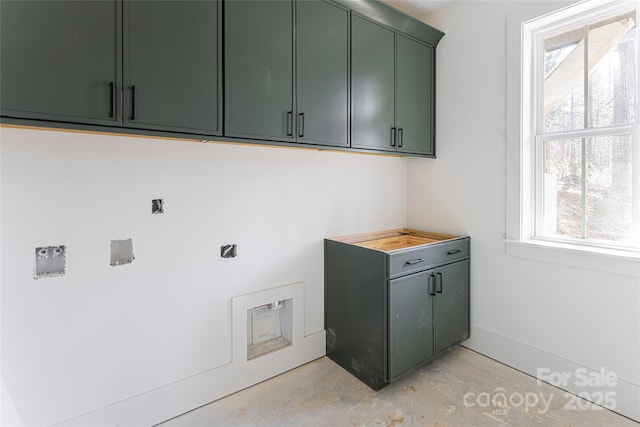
{"x": 394, "y": 301}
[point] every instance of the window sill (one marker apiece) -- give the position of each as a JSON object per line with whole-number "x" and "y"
{"x": 609, "y": 260}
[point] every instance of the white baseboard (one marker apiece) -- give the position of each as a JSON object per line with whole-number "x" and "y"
{"x": 623, "y": 393}
{"x": 171, "y": 400}
{"x": 174, "y": 399}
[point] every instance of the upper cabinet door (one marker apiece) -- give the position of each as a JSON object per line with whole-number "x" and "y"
{"x": 259, "y": 69}
{"x": 372, "y": 85}
{"x": 414, "y": 96}
{"x": 172, "y": 66}
{"x": 322, "y": 73}
{"x": 59, "y": 60}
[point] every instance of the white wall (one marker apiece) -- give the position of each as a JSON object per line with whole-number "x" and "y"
{"x": 145, "y": 340}
{"x": 526, "y": 313}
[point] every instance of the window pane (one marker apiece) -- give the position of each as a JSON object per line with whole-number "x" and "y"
{"x": 564, "y": 82}
{"x": 613, "y": 72}
{"x": 562, "y": 188}
{"x": 609, "y": 188}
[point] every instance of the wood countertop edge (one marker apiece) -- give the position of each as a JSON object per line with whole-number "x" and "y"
{"x": 364, "y": 237}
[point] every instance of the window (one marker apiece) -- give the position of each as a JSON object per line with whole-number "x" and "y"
{"x": 578, "y": 181}
{"x": 585, "y": 114}
{"x": 573, "y": 129}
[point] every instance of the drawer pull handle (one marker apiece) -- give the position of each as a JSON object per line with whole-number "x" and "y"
{"x": 415, "y": 261}
{"x": 454, "y": 251}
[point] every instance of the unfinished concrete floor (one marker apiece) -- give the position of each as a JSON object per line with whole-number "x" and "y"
{"x": 455, "y": 390}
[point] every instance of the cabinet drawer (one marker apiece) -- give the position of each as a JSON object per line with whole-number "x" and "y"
{"x": 417, "y": 259}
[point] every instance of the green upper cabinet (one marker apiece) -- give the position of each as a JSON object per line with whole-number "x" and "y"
{"x": 267, "y": 97}
{"x": 322, "y": 86}
{"x": 59, "y": 60}
{"x": 353, "y": 75}
{"x": 172, "y": 66}
{"x": 259, "y": 69}
{"x": 393, "y": 87}
{"x": 62, "y": 61}
{"x": 372, "y": 83}
{"x": 414, "y": 96}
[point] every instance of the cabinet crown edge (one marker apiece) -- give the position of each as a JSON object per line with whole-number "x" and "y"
{"x": 391, "y": 17}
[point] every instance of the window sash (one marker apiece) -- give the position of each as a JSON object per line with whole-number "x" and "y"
{"x": 539, "y": 186}
{"x": 538, "y": 135}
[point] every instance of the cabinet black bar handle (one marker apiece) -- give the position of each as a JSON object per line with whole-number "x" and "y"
{"x": 301, "y": 125}
{"x": 432, "y": 284}
{"x": 415, "y": 261}
{"x": 439, "y": 281}
{"x": 454, "y": 251}
{"x": 399, "y": 137}
{"x": 112, "y": 99}
{"x": 393, "y": 137}
{"x": 289, "y": 123}
{"x": 133, "y": 102}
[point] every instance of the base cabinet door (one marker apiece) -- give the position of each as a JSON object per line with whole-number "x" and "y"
{"x": 451, "y": 304}
{"x": 59, "y": 60}
{"x": 259, "y": 69}
{"x": 410, "y": 322}
{"x": 172, "y": 75}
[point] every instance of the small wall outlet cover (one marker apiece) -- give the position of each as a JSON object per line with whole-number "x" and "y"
{"x": 157, "y": 206}
{"x": 50, "y": 261}
{"x": 121, "y": 252}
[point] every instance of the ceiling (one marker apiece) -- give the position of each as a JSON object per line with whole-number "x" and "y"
{"x": 418, "y": 8}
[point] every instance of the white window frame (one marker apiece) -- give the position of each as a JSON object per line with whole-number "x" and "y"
{"x": 522, "y": 99}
